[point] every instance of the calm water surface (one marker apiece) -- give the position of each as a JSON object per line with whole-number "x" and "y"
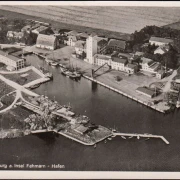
{"x": 111, "y": 110}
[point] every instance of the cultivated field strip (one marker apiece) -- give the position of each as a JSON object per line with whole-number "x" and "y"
{"x": 120, "y": 19}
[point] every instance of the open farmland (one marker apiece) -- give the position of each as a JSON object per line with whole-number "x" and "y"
{"x": 119, "y": 19}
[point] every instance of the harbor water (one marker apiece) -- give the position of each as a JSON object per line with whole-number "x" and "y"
{"x": 106, "y": 108}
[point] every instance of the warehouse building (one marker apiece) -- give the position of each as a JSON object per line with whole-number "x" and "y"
{"x": 47, "y": 42}
{"x": 12, "y": 62}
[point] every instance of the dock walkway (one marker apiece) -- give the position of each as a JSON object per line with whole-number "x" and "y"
{"x": 141, "y": 135}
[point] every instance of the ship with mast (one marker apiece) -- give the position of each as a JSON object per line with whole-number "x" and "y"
{"x": 71, "y": 72}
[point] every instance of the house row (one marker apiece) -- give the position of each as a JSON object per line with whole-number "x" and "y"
{"x": 116, "y": 63}
{"x": 14, "y": 35}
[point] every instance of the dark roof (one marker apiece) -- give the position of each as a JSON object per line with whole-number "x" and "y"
{"x": 64, "y": 30}
{"x": 145, "y": 90}
{"x": 159, "y": 39}
{"x": 5, "y": 54}
{"x": 104, "y": 57}
{"x": 47, "y": 40}
{"x": 80, "y": 44}
{"x": 132, "y": 66}
{"x": 119, "y": 43}
{"x": 81, "y": 129}
{"x": 93, "y": 34}
{"x": 41, "y": 28}
{"x": 83, "y": 35}
{"x": 119, "y": 60}
{"x": 72, "y": 33}
{"x": 102, "y": 42}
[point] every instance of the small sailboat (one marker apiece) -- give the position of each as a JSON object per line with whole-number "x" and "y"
{"x": 130, "y": 137}
{"x": 123, "y": 137}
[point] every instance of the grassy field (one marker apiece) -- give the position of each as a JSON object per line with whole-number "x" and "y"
{"x": 29, "y": 76}
{"x": 119, "y": 19}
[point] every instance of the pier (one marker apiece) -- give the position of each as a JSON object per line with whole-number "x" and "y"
{"x": 142, "y": 135}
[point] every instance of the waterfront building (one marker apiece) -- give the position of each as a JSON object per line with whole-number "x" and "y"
{"x": 131, "y": 68}
{"x": 47, "y": 42}
{"x": 146, "y": 91}
{"x": 101, "y": 59}
{"x": 95, "y": 45}
{"x": 12, "y": 62}
{"x": 91, "y": 48}
{"x": 118, "y": 63}
{"x": 158, "y": 41}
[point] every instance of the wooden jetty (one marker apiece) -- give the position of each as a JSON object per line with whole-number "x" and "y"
{"x": 141, "y": 135}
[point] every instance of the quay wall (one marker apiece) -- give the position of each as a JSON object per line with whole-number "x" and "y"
{"x": 122, "y": 93}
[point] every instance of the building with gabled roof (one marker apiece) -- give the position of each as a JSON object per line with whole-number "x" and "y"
{"x": 118, "y": 63}
{"x": 80, "y": 47}
{"x": 117, "y": 45}
{"x": 162, "y": 49}
{"x": 146, "y": 91}
{"x": 158, "y": 41}
{"x": 47, "y": 42}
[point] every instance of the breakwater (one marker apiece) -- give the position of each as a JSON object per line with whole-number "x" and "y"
{"x": 124, "y": 94}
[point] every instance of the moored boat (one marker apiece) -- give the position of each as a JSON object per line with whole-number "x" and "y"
{"x": 54, "y": 64}
{"x": 34, "y": 86}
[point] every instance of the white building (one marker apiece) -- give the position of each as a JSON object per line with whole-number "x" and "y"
{"x": 100, "y": 59}
{"x": 91, "y": 48}
{"x": 158, "y": 41}
{"x": 47, "y": 42}
{"x": 162, "y": 49}
{"x": 149, "y": 65}
{"x": 118, "y": 63}
{"x": 11, "y": 61}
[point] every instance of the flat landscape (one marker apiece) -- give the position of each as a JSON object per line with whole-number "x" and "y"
{"x": 119, "y": 19}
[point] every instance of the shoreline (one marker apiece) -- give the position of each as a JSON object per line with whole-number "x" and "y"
{"x": 122, "y": 93}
